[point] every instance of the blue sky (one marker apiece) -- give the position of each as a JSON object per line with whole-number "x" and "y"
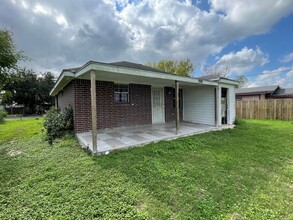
{"x": 248, "y": 37}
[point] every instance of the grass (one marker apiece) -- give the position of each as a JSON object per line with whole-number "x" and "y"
{"x": 244, "y": 173}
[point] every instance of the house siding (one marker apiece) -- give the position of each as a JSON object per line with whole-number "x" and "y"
{"x": 111, "y": 114}
{"x": 199, "y": 105}
{"x": 251, "y": 97}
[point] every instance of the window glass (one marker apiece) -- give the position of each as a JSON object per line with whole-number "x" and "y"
{"x": 121, "y": 93}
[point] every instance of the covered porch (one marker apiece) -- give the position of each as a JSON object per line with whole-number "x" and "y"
{"x": 148, "y": 99}
{"x": 125, "y": 137}
{"x": 160, "y": 128}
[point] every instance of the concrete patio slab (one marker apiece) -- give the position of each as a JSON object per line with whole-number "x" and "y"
{"x": 125, "y": 137}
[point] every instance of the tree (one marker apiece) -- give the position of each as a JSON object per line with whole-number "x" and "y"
{"x": 9, "y": 55}
{"x": 242, "y": 81}
{"x": 26, "y": 88}
{"x": 216, "y": 71}
{"x": 46, "y": 82}
{"x": 182, "y": 67}
{"x": 23, "y": 87}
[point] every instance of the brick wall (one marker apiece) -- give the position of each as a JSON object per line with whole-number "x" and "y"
{"x": 110, "y": 114}
{"x": 83, "y": 114}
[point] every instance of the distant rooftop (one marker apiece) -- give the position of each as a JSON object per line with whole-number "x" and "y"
{"x": 257, "y": 90}
{"x": 283, "y": 92}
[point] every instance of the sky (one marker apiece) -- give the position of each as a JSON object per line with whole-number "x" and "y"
{"x": 253, "y": 38}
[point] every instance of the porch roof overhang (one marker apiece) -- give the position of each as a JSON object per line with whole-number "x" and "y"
{"x": 121, "y": 74}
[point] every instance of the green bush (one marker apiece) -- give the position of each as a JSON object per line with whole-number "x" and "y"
{"x": 57, "y": 123}
{"x": 68, "y": 118}
{"x": 238, "y": 122}
{"x": 3, "y": 114}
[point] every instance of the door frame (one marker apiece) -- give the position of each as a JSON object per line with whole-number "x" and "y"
{"x": 163, "y": 104}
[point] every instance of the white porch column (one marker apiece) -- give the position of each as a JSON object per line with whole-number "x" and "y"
{"x": 216, "y": 106}
{"x": 219, "y": 106}
{"x": 177, "y": 105}
{"x": 94, "y": 110}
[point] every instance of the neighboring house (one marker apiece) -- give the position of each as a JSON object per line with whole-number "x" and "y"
{"x": 126, "y": 94}
{"x": 282, "y": 93}
{"x": 262, "y": 93}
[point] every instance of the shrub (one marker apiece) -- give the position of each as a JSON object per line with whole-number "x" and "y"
{"x": 3, "y": 114}
{"x": 68, "y": 117}
{"x": 58, "y": 123}
{"x": 238, "y": 122}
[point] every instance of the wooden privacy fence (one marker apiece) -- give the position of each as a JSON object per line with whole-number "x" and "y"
{"x": 276, "y": 109}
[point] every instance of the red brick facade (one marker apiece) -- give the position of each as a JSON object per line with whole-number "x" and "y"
{"x": 109, "y": 114}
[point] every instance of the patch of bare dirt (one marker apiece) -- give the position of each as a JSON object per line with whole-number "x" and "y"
{"x": 14, "y": 153}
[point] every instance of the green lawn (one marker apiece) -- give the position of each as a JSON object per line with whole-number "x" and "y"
{"x": 244, "y": 173}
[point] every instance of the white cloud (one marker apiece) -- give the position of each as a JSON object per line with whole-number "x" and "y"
{"x": 251, "y": 16}
{"x": 39, "y": 9}
{"x": 243, "y": 60}
{"x": 62, "y": 21}
{"x": 287, "y": 58}
{"x": 24, "y": 4}
{"x": 139, "y": 31}
{"x": 282, "y": 76}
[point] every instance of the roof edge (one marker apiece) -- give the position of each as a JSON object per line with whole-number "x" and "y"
{"x": 64, "y": 73}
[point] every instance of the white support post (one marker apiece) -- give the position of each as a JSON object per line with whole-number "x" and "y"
{"x": 94, "y": 110}
{"x": 219, "y": 106}
{"x": 177, "y": 105}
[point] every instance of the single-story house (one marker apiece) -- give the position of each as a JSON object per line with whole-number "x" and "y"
{"x": 264, "y": 92}
{"x": 124, "y": 94}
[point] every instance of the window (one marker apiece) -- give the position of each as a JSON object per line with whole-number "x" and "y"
{"x": 121, "y": 93}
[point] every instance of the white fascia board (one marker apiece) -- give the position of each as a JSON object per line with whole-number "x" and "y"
{"x": 143, "y": 73}
{"x": 58, "y": 84}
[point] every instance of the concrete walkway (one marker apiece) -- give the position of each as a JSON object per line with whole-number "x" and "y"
{"x": 9, "y": 118}
{"x": 124, "y": 137}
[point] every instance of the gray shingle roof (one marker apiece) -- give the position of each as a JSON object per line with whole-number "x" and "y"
{"x": 284, "y": 92}
{"x": 73, "y": 70}
{"x": 209, "y": 77}
{"x": 257, "y": 90}
{"x": 120, "y": 63}
{"x": 214, "y": 78}
{"x": 136, "y": 66}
